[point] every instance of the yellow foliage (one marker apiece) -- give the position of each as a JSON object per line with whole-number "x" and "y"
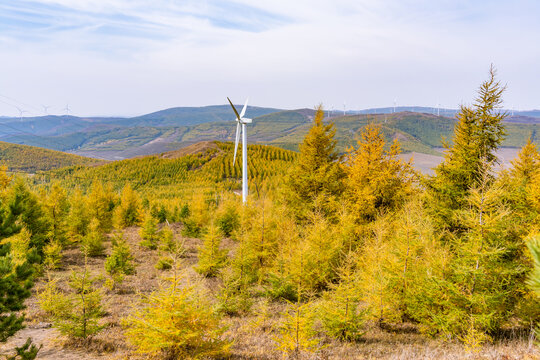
{"x": 177, "y": 322}
{"x": 376, "y": 179}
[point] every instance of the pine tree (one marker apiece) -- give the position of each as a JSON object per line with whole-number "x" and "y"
{"x": 211, "y": 257}
{"x": 79, "y": 216}
{"x": 477, "y": 135}
{"x": 315, "y": 181}
{"x": 129, "y": 212}
{"x": 295, "y": 333}
{"x": 101, "y": 202}
{"x": 25, "y": 207}
{"x": 177, "y": 322}
{"x": 57, "y": 208}
{"x": 120, "y": 262}
{"x": 16, "y": 280}
{"x": 377, "y": 181}
{"x": 77, "y": 313}
{"x": 149, "y": 233}
{"x": 484, "y": 278}
{"x": 534, "y": 276}
{"x": 92, "y": 243}
{"x": 340, "y": 312}
{"x": 521, "y": 185}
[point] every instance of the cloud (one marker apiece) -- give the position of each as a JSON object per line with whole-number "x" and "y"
{"x": 129, "y": 57}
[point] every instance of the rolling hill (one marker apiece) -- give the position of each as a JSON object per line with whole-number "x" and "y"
{"x": 31, "y": 159}
{"x": 166, "y": 130}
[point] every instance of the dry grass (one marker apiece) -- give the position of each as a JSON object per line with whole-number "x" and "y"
{"x": 252, "y": 335}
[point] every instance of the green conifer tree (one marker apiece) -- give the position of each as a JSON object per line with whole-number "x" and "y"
{"x": 477, "y": 134}
{"x": 315, "y": 181}
{"x": 57, "y": 208}
{"x": 129, "y": 212}
{"x": 79, "y": 216}
{"x": 211, "y": 257}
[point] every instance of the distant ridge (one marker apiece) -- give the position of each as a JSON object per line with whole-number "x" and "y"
{"x": 24, "y": 158}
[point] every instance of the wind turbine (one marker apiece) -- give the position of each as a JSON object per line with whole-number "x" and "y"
{"x": 67, "y": 109}
{"x": 21, "y": 112}
{"x": 241, "y": 120}
{"x": 45, "y": 108}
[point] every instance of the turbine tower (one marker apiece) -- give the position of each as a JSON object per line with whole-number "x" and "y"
{"x": 241, "y": 120}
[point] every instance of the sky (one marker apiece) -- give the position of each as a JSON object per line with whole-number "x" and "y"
{"x": 130, "y": 57}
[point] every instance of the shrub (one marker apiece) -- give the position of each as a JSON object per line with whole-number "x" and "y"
{"x": 120, "y": 262}
{"x": 177, "y": 323}
{"x": 211, "y": 257}
{"x": 149, "y": 233}
{"x": 234, "y": 297}
{"x": 92, "y": 243}
{"x": 164, "y": 263}
{"x": 129, "y": 212}
{"x": 281, "y": 287}
{"x": 52, "y": 255}
{"x": 75, "y": 314}
{"x": 295, "y": 333}
{"x": 228, "y": 221}
{"x": 191, "y": 228}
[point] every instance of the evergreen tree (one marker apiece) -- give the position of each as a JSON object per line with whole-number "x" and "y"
{"x": 340, "y": 312}
{"x": 101, "y": 202}
{"x": 92, "y": 243}
{"x": 120, "y": 262}
{"x": 315, "y": 181}
{"x": 77, "y": 313}
{"x": 129, "y": 212}
{"x": 521, "y": 187}
{"x": 57, "y": 208}
{"x": 377, "y": 181}
{"x": 25, "y": 207}
{"x": 149, "y": 233}
{"x": 79, "y": 216}
{"x": 211, "y": 257}
{"x": 16, "y": 280}
{"x": 477, "y": 134}
{"x": 534, "y": 276}
{"x": 484, "y": 278}
{"x": 177, "y": 322}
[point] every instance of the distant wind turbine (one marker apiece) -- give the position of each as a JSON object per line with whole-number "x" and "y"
{"x": 21, "y": 112}
{"x": 45, "y": 108}
{"x": 241, "y": 122}
{"x": 67, "y": 109}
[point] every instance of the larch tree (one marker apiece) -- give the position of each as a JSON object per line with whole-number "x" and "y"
{"x": 477, "y": 135}
{"x": 317, "y": 178}
{"x": 130, "y": 211}
{"x": 377, "y": 181}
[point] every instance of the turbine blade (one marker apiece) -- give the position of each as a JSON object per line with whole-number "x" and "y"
{"x": 236, "y": 141}
{"x": 244, "y": 109}
{"x": 236, "y": 112}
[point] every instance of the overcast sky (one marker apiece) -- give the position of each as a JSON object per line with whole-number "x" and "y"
{"x": 129, "y": 57}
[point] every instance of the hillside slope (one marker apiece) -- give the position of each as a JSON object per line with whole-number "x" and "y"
{"x": 30, "y": 159}
{"x": 179, "y": 173}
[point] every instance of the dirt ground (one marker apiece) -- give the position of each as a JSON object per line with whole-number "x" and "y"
{"x": 252, "y": 335}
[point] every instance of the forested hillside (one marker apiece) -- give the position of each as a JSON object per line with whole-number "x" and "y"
{"x": 335, "y": 255}
{"x": 32, "y": 159}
